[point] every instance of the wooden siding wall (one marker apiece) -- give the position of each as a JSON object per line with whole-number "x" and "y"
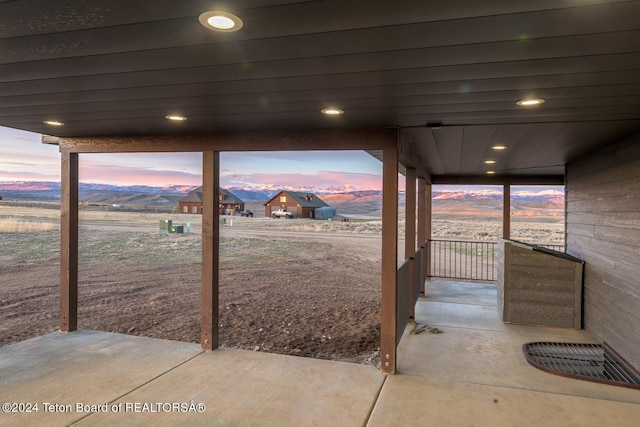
{"x": 603, "y": 229}
{"x": 190, "y": 206}
{"x": 536, "y": 287}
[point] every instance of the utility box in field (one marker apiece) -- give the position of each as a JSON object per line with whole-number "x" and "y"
{"x": 539, "y": 286}
{"x": 165, "y": 226}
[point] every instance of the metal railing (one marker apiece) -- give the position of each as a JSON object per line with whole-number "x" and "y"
{"x": 468, "y": 259}
{"x": 463, "y": 260}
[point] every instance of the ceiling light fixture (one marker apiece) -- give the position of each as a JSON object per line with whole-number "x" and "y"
{"x": 491, "y": 172}
{"x": 499, "y": 147}
{"x": 220, "y": 21}
{"x": 528, "y": 102}
{"x": 331, "y": 111}
{"x": 53, "y": 123}
{"x": 175, "y": 118}
{"x": 489, "y": 162}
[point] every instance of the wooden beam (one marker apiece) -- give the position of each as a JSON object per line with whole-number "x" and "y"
{"x": 408, "y": 157}
{"x": 410, "y": 214}
{"x": 422, "y": 231}
{"x": 428, "y": 195}
{"x": 506, "y": 211}
{"x": 389, "y": 260}
{"x": 69, "y": 242}
{"x": 497, "y": 179}
{"x": 210, "y": 251}
{"x": 410, "y": 232}
{"x": 365, "y": 139}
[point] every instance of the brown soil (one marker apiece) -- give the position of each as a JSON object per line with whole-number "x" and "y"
{"x": 288, "y": 293}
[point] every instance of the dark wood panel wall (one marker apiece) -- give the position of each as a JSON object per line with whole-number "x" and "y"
{"x": 603, "y": 229}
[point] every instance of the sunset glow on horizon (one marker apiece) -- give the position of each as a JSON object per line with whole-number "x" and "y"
{"x": 25, "y": 158}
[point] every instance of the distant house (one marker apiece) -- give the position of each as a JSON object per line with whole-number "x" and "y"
{"x": 228, "y": 204}
{"x": 302, "y": 205}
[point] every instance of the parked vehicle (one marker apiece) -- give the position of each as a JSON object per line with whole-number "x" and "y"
{"x": 247, "y": 213}
{"x": 281, "y": 213}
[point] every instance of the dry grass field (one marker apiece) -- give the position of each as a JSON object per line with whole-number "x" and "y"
{"x": 300, "y": 287}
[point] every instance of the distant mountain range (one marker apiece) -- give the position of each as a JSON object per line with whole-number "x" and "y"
{"x": 139, "y": 195}
{"x": 547, "y": 196}
{"x": 346, "y": 201}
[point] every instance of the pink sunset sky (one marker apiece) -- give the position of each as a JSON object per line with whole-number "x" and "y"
{"x": 24, "y": 158}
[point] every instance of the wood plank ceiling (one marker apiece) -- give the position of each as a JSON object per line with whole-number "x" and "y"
{"x": 116, "y": 67}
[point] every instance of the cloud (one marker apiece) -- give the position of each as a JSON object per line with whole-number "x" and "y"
{"x": 23, "y": 157}
{"x": 29, "y": 176}
{"x": 132, "y": 175}
{"x": 306, "y": 162}
{"x": 154, "y": 169}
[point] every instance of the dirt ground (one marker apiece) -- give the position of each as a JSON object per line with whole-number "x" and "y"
{"x": 301, "y": 287}
{"x": 289, "y": 292}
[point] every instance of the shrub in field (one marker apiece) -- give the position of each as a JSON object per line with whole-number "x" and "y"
{"x": 12, "y": 225}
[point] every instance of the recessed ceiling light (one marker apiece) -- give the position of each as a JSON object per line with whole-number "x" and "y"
{"x": 489, "y": 162}
{"x": 220, "y": 21}
{"x": 53, "y": 123}
{"x": 175, "y": 118}
{"x": 491, "y": 172}
{"x": 332, "y": 111}
{"x": 499, "y": 147}
{"x": 530, "y": 101}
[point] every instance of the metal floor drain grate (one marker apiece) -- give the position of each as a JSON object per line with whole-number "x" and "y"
{"x": 592, "y": 362}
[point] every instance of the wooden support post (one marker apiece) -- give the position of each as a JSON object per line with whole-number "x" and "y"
{"x": 410, "y": 233}
{"x": 210, "y": 250}
{"x": 69, "y": 242}
{"x": 428, "y": 224}
{"x": 389, "y": 259}
{"x": 422, "y": 232}
{"x": 506, "y": 211}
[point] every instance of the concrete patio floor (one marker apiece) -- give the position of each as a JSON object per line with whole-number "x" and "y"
{"x": 473, "y": 374}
